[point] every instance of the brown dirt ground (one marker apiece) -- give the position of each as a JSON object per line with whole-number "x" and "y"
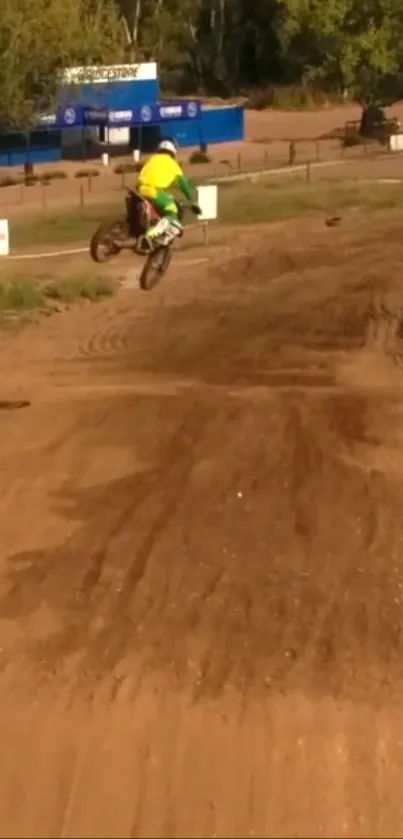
{"x": 201, "y": 565}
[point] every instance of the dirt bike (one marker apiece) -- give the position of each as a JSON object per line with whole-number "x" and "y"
{"x": 128, "y": 233}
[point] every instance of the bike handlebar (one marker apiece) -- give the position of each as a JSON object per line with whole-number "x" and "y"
{"x": 189, "y": 205}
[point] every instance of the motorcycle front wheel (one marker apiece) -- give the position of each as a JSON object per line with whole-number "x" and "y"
{"x": 155, "y": 267}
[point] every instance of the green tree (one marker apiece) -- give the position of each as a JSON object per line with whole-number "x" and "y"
{"x": 39, "y": 39}
{"x": 350, "y": 45}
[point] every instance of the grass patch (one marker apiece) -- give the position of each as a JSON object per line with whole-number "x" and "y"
{"x": 21, "y": 294}
{"x": 61, "y": 228}
{"x": 270, "y": 200}
{"x": 244, "y": 202}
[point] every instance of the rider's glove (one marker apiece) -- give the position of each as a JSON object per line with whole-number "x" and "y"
{"x": 196, "y": 210}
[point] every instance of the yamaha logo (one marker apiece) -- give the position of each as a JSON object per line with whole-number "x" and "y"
{"x": 96, "y": 116}
{"x": 192, "y": 109}
{"x": 171, "y": 112}
{"x": 70, "y": 116}
{"x": 146, "y": 113}
{"x": 120, "y": 116}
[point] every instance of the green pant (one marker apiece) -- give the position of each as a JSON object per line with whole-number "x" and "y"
{"x": 165, "y": 205}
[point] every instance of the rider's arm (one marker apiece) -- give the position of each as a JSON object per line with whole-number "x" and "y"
{"x": 185, "y": 187}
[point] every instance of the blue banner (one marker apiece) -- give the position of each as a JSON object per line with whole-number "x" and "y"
{"x": 154, "y": 114}
{"x": 69, "y": 117}
{"x": 157, "y": 113}
{"x": 169, "y": 110}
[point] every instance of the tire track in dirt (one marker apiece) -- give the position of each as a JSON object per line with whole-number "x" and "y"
{"x": 383, "y": 325}
{"x": 310, "y": 454}
{"x": 118, "y": 339}
{"x": 102, "y": 585}
{"x": 108, "y": 342}
{"x": 174, "y": 473}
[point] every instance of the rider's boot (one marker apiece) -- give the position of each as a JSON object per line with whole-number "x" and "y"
{"x": 166, "y": 230}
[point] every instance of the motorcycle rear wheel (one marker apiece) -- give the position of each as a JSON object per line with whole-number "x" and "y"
{"x": 103, "y": 246}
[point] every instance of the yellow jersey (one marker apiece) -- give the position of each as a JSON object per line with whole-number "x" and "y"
{"x": 160, "y": 172}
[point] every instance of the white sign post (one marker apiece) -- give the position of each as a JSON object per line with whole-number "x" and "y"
{"x": 207, "y": 199}
{"x": 4, "y": 237}
{"x": 396, "y": 142}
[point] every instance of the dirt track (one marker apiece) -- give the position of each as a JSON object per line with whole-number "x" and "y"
{"x": 201, "y": 576}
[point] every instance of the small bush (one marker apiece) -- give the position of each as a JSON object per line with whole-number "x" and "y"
{"x": 31, "y": 180}
{"x": 87, "y": 173}
{"x": 199, "y": 157}
{"x": 80, "y": 287}
{"x": 8, "y": 180}
{"x": 56, "y": 175}
{"x": 354, "y": 138}
{"x": 126, "y": 168}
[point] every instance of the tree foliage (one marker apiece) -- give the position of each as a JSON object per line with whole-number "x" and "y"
{"x": 39, "y": 39}
{"x": 224, "y": 46}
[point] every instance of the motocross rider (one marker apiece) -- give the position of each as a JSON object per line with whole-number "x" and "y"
{"x": 160, "y": 173}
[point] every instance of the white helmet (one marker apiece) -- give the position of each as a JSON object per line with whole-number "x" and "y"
{"x": 168, "y": 146}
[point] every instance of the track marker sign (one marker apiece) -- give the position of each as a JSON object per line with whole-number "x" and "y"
{"x": 4, "y": 237}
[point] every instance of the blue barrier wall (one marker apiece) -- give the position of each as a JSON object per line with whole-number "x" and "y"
{"x": 217, "y": 125}
{"x": 36, "y": 155}
{"x": 44, "y": 147}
